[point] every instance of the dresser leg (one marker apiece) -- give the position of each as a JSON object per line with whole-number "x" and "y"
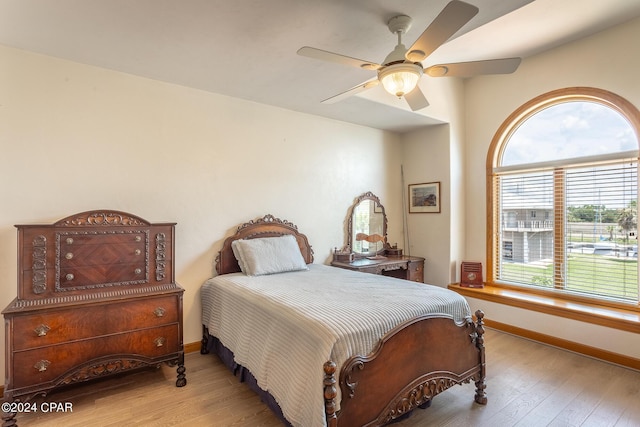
{"x": 8, "y": 418}
{"x": 182, "y": 379}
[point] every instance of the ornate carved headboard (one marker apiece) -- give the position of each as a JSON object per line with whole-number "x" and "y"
{"x": 267, "y": 226}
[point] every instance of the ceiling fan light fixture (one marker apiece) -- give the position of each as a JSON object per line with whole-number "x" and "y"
{"x": 400, "y": 79}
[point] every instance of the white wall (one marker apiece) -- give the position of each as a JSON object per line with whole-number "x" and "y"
{"x": 435, "y": 154}
{"x": 76, "y": 138}
{"x": 609, "y": 60}
{"x": 430, "y": 233}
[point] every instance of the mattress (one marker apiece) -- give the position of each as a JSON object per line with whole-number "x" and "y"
{"x": 284, "y": 327}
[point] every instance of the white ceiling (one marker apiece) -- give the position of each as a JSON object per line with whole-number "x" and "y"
{"x": 247, "y": 48}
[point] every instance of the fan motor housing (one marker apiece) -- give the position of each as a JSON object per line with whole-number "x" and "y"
{"x": 400, "y": 23}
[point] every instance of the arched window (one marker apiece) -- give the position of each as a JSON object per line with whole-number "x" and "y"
{"x": 563, "y": 190}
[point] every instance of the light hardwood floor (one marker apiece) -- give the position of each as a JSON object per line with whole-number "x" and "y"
{"x": 528, "y": 385}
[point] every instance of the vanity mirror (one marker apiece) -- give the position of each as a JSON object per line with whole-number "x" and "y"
{"x": 367, "y": 227}
{"x": 367, "y": 249}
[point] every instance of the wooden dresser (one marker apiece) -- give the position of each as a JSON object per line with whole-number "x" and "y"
{"x": 96, "y": 296}
{"x": 402, "y": 267}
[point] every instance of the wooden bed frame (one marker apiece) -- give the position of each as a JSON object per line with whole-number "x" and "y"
{"x": 410, "y": 365}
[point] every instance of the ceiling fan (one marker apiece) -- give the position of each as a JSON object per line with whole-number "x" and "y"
{"x": 401, "y": 70}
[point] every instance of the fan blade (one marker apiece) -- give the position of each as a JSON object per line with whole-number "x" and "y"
{"x": 323, "y": 55}
{"x": 474, "y": 68}
{"x": 416, "y": 99}
{"x": 447, "y": 23}
{"x": 356, "y": 89}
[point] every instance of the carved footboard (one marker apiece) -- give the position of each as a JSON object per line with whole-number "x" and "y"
{"x": 411, "y": 364}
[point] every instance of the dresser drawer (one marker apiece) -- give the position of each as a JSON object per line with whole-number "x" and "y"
{"x": 82, "y": 255}
{"x": 98, "y": 258}
{"x": 53, "y": 327}
{"x": 99, "y": 275}
{"x": 415, "y": 271}
{"x": 48, "y": 363}
{"x": 71, "y": 240}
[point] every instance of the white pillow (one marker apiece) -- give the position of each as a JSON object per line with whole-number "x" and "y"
{"x": 268, "y": 255}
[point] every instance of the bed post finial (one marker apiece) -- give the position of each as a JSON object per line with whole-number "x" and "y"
{"x": 481, "y": 396}
{"x": 330, "y": 393}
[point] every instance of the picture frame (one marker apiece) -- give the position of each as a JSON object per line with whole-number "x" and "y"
{"x": 424, "y": 197}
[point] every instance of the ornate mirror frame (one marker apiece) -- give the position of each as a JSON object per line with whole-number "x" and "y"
{"x": 379, "y": 248}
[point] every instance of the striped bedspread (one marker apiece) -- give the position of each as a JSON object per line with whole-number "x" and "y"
{"x": 284, "y": 327}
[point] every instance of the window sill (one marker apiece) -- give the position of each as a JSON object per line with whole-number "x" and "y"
{"x": 617, "y": 318}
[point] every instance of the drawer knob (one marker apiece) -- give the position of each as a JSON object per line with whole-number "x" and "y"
{"x": 69, "y": 240}
{"x": 138, "y": 238}
{"x": 42, "y": 365}
{"x": 69, "y": 276}
{"x": 159, "y": 342}
{"x": 69, "y": 255}
{"x": 42, "y": 330}
{"x": 137, "y": 251}
{"x": 159, "y": 312}
{"x": 137, "y": 271}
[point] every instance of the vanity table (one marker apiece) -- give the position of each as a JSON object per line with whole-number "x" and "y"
{"x": 367, "y": 249}
{"x": 402, "y": 267}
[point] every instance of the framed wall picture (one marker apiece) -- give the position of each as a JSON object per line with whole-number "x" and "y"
{"x": 424, "y": 198}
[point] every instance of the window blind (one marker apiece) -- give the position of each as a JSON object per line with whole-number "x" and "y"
{"x": 572, "y": 228}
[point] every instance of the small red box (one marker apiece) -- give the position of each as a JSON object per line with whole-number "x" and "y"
{"x": 471, "y": 275}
